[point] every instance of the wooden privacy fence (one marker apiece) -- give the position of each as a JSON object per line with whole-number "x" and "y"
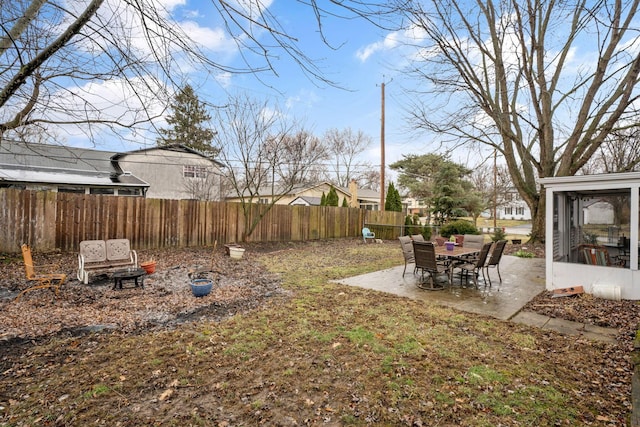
{"x": 60, "y": 221}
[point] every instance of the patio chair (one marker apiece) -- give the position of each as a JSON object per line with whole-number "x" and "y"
{"x": 476, "y": 265}
{"x": 406, "y": 244}
{"x": 597, "y": 255}
{"x": 494, "y": 259}
{"x": 475, "y": 241}
{"x": 47, "y": 280}
{"x": 425, "y": 258}
{"x": 368, "y": 235}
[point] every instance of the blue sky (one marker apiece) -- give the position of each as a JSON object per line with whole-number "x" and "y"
{"x": 357, "y": 104}
{"x": 359, "y": 64}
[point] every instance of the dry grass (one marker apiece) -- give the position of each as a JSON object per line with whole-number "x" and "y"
{"x": 326, "y": 355}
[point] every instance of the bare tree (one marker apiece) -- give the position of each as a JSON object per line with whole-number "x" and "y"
{"x": 264, "y": 153}
{"x": 620, "y": 152}
{"x": 205, "y": 185}
{"x": 344, "y": 147}
{"x": 98, "y": 64}
{"x": 503, "y": 74}
{"x": 491, "y": 184}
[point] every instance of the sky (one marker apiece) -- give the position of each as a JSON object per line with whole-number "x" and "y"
{"x": 359, "y": 63}
{"x": 358, "y": 56}
{"x": 360, "y": 59}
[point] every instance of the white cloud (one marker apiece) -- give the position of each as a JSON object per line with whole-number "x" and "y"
{"x": 224, "y": 79}
{"x": 211, "y": 38}
{"x": 392, "y": 40}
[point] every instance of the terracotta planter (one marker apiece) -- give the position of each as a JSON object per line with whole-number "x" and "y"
{"x": 149, "y": 266}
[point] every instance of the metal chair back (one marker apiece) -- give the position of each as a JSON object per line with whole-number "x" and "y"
{"x": 484, "y": 254}
{"x": 425, "y": 256}
{"x": 496, "y": 254}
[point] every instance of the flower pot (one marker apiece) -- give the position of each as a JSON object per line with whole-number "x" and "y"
{"x": 148, "y": 266}
{"x": 228, "y": 246}
{"x": 236, "y": 252}
{"x": 449, "y": 245}
{"x": 201, "y": 287}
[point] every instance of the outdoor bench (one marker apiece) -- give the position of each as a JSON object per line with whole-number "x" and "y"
{"x": 104, "y": 255}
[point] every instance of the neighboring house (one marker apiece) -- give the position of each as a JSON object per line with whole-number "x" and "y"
{"x": 513, "y": 206}
{"x": 414, "y": 206}
{"x": 173, "y": 172}
{"x": 311, "y": 195}
{"x": 64, "y": 169}
{"x": 598, "y": 211}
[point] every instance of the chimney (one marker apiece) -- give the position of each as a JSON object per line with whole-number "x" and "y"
{"x": 353, "y": 189}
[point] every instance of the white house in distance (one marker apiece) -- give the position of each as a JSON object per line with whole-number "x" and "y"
{"x": 589, "y": 247}
{"x": 512, "y": 206}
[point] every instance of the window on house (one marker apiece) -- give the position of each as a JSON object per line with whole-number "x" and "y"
{"x": 264, "y": 201}
{"x": 592, "y": 227}
{"x": 101, "y": 190}
{"x": 520, "y": 210}
{"x": 77, "y": 190}
{"x": 192, "y": 171}
{"x": 129, "y": 192}
{"x": 508, "y": 210}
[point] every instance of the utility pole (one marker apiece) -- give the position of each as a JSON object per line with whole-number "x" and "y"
{"x": 495, "y": 189}
{"x": 382, "y": 152}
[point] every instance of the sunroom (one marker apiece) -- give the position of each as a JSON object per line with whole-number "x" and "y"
{"x": 592, "y": 233}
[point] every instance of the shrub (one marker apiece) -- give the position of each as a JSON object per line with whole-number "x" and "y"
{"x": 524, "y": 254}
{"x": 458, "y": 227}
{"x": 413, "y": 226}
{"x": 498, "y": 234}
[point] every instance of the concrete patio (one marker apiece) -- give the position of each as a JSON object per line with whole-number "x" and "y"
{"x": 522, "y": 279}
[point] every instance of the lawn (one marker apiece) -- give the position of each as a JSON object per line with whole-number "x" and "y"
{"x": 317, "y": 354}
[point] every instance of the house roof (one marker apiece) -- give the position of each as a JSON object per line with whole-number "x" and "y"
{"x": 46, "y": 163}
{"x": 170, "y": 147}
{"x": 54, "y": 156}
{"x": 309, "y": 200}
{"x": 362, "y": 193}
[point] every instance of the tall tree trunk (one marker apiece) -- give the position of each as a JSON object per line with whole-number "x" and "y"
{"x": 538, "y": 212}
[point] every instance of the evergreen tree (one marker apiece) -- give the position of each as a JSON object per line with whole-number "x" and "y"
{"x": 332, "y": 197}
{"x": 393, "y": 203}
{"x": 344, "y": 203}
{"x": 323, "y": 200}
{"x": 188, "y": 120}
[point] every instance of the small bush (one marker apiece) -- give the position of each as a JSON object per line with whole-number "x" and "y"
{"x": 498, "y": 234}
{"x": 413, "y": 226}
{"x": 524, "y": 254}
{"x": 458, "y": 227}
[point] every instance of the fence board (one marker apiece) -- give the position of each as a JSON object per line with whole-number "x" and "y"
{"x": 49, "y": 221}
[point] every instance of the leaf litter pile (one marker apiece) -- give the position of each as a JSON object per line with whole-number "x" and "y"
{"x": 276, "y": 343}
{"x": 165, "y": 300}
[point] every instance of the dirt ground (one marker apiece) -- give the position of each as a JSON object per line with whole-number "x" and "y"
{"x": 166, "y": 302}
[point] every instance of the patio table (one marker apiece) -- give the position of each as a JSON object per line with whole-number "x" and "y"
{"x": 457, "y": 253}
